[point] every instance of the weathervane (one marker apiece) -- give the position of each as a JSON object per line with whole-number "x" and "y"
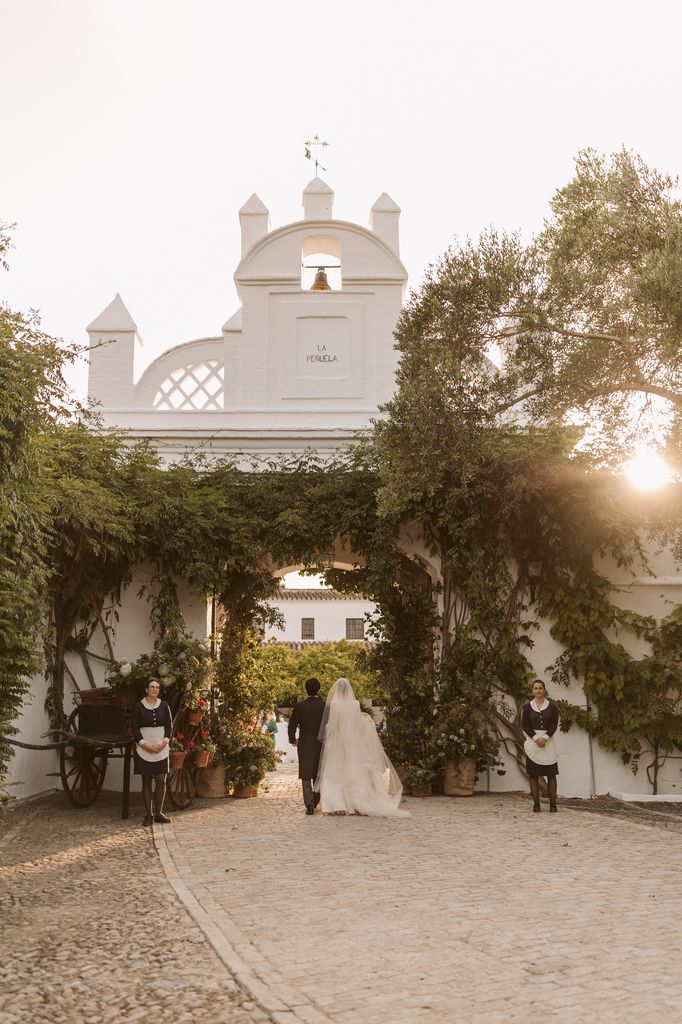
{"x": 314, "y": 144}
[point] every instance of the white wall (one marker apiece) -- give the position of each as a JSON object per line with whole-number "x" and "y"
{"x": 132, "y": 638}
{"x": 28, "y": 768}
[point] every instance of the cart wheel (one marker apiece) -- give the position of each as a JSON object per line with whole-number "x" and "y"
{"x": 82, "y": 769}
{"x": 182, "y": 785}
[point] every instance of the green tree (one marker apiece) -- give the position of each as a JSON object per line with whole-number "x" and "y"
{"x": 32, "y": 398}
{"x": 101, "y": 491}
{"x": 586, "y": 317}
{"x": 287, "y": 669}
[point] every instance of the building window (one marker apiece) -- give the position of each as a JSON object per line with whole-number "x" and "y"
{"x": 355, "y": 629}
{"x": 307, "y": 629}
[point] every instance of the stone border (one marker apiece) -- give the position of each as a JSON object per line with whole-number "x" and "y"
{"x": 249, "y": 968}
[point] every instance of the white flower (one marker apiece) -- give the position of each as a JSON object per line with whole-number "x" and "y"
{"x": 125, "y": 669}
{"x": 205, "y": 645}
{"x": 164, "y": 670}
{"x": 170, "y": 680}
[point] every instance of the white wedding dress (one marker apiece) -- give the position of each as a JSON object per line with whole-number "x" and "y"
{"x": 355, "y": 774}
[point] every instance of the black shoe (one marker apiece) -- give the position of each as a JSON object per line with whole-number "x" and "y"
{"x": 309, "y": 808}
{"x": 552, "y": 808}
{"x": 162, "y": 819}
{"x": 536, "y": 808}
{"x": 147, "y": 821}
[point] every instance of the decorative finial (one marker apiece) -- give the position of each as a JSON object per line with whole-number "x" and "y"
{"x": 314, "y": 144}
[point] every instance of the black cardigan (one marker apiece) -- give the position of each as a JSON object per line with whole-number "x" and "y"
{"x": 143, "y": 716}
{"x": 533, "y": 721}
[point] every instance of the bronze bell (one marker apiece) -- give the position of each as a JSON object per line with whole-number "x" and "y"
{"x": 320, "y": 284}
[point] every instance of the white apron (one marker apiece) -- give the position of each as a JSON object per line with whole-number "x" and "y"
{"x": 152, "y": 734}
{"x": 541, "y": 755}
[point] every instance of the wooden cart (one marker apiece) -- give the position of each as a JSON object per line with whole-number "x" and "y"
{"x": 98, "y": 731}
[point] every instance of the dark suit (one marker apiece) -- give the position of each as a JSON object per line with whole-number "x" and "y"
{"x": 307, "y": 718}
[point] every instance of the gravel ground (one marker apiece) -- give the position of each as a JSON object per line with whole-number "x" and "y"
{"x": 91, "y": 930}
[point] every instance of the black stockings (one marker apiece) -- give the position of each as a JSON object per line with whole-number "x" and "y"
{"x": 551, "y": 789}
{"x": 159, "y": 793}
{"x": 535, "y": 789}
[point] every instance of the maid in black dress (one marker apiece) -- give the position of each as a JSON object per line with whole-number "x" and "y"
{"x": 152, "y": 729}
{"x": 539, "y": 721}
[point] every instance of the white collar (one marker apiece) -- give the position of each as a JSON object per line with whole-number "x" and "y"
{"x": 543, "y": 706}
{"x": 151, "y": 707}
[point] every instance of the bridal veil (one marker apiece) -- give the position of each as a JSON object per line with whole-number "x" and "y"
{"x": 355, "y": 774}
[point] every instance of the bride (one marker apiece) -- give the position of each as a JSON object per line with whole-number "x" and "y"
{"x": 355, "y": 775}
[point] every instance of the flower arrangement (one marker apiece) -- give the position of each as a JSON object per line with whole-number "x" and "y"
{"x": 248, "y": 755}
{"x": 417, "y": 780}
{"x": 182, "y": 664}
{"x": 459, "y": 731}
{"x": 204, "y": 742}
{"x": 180, "y": 742}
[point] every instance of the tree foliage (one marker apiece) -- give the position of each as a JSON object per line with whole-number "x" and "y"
{"x": 32, "y": 395}
{"x": 586, "y": 318}
{"x": 285, "y": 669}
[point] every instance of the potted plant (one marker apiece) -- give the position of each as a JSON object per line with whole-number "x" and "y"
{"x": 251, "y": 757}
{"x": 197, "y": 707}
{"x": 204, "y": 750}
{"x": 465, "y": 745}
{"x": 178, "y": 750}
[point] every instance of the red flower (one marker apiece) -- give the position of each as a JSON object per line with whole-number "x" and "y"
{"x": 179, "y": 736}
{"x": 203, "y": 733}
{"x": 190, "y": 744}
{"x": 201, "y": 703}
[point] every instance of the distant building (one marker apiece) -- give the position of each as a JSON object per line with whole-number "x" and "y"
{"x": 319, "y": 615}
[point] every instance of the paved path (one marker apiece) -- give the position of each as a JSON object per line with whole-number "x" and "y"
{"x": 91, "y": 932}
{"x": 473, "y": 911}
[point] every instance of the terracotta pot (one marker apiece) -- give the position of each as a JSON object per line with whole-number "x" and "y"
{"x": 245, "y": 792}
{"x": 177, "y": 758}
{"x": 460, "y": 777}
{"x": 201, "y": 758}
{"x": 211, "y": 782}
{"x": 195, "y": 717}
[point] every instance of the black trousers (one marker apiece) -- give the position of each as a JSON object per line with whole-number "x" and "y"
{"x": 309, "y": 795}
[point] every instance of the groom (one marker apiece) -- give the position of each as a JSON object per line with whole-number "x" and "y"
{"x": 307, "y": 718}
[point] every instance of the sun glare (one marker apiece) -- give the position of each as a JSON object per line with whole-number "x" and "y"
{"x": 296, "y": 581}
{"x": 647, "y": 471}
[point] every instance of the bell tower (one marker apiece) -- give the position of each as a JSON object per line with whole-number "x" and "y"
{"x": 317, "y": 355}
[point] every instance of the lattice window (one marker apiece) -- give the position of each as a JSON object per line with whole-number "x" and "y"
{"x": 355, "y": 629}
{"x": 307, "y": 629}
{"x": 197, "y": 386}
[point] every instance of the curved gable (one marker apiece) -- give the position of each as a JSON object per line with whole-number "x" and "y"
{"x": 277, "y": 256}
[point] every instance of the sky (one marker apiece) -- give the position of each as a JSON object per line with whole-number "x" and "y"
{"x": 133, "y": 130}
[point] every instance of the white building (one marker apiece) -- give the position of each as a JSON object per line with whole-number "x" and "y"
{"x": 318, "y": 616}
{"x": 294, "y": 368}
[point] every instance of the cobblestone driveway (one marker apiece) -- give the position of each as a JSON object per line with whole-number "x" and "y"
{"x": 473, "y": 911}
{"x": 90, "y": 930}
